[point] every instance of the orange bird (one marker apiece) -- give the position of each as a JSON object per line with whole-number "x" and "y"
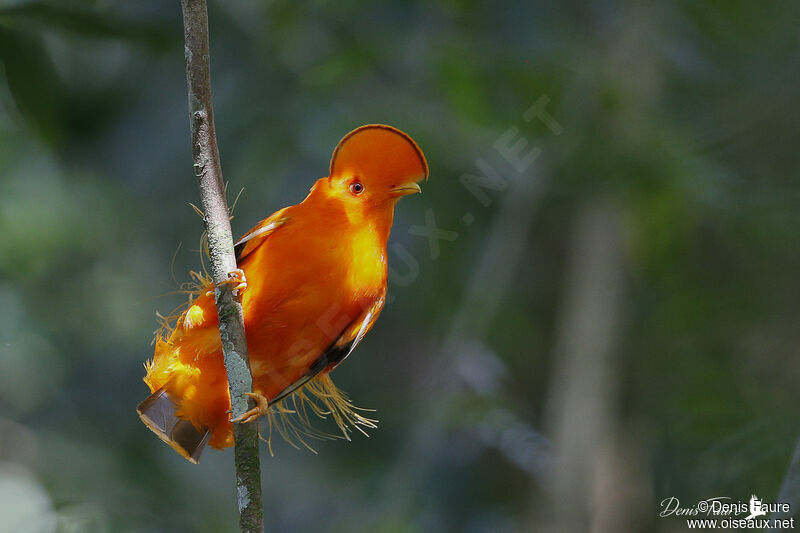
{"x": 312, "y": 282}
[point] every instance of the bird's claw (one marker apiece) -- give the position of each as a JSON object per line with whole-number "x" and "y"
{"x": 261, "y": 408}
{"x": 238, "y": 278}
{"x": 235, "y": 277}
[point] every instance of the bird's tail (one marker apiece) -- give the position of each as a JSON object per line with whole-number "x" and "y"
{"x": 157, "y": 412}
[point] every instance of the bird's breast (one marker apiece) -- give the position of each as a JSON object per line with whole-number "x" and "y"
{"x": 299, "y": 275}
{"x": 366, "y": 263}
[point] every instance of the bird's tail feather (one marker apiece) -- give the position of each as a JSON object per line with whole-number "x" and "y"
{"x": 157, "y": 412}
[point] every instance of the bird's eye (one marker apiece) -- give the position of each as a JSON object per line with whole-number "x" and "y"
{"x": 356, "y": 187}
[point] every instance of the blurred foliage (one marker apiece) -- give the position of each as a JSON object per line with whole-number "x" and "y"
{"x": 684, "y": 114}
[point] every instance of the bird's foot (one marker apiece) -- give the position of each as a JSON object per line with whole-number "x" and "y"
{"x": 235, "y": 277}
{"x": 261, "y": 408}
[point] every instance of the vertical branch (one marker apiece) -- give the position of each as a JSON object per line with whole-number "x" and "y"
{"x": 220, "y": 244}
{"x": 790, "y": 488}
{"x": 581, "y": 407}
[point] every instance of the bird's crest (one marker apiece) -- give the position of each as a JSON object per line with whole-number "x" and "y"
{"x": 374, "y": 149}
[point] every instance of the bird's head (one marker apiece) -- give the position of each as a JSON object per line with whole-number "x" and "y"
{"x": 375, "y": 165}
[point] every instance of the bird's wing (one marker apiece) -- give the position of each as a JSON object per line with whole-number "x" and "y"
{"x": 256, "y": 236}
{"x": 342, "y": 347}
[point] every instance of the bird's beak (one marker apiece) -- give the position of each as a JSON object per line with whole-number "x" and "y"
{"x": 405, "y": 189}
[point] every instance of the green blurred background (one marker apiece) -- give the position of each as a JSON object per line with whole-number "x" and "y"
{"x": 610, "y": 320}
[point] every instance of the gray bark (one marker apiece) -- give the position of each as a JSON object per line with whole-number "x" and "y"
{"x": 220, "y": 244}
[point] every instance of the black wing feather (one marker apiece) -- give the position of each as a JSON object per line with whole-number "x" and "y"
{"x": 338, "y": 350}
{"x": 332, "y": 356}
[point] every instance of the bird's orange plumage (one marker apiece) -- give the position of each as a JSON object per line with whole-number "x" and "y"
{"x": 316, "y": 279}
